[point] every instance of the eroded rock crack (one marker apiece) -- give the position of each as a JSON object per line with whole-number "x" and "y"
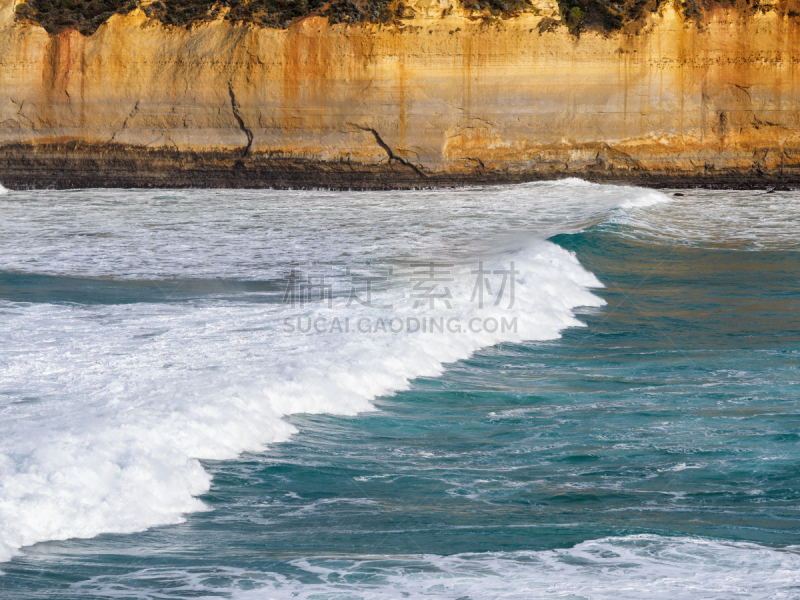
{"x": 238, "y": 117}
{"x": 125, "y": 122}
{"x": 392, "y": 156}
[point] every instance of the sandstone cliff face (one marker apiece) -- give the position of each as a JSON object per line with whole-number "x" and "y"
{"x": 438, "y": 99}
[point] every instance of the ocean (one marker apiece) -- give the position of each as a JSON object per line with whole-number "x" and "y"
{"x": 550, "y": 390}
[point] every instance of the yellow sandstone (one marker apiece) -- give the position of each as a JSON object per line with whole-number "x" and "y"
{"x": 440, "y": 98}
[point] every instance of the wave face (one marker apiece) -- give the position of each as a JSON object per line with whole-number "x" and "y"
{"x": 144, "y": 332}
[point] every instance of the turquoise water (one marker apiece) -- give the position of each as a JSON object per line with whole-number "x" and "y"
{"x": 651, "y": 452}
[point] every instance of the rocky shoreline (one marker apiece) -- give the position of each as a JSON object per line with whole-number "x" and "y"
{"x": 73, "y": 166}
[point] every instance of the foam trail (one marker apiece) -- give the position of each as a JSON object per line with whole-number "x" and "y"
{"x": 632, "y": 567}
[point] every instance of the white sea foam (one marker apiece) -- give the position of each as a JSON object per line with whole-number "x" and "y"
{"x": 742, "y": 220}
{"x": 647, "y": 198}
{"x": 107, "y": 410}
{"x": 247, "y": 234}
{"x": 3, "y": 190}
{"x": 632, "y": 567}
{"x": 113, "y": 405}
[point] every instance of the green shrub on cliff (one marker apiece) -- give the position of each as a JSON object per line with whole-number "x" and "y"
{"x": 590, "y": 14}
{"x": 83, "y": 15}
{"x": 497, "y": 7}
{"x": 86, "y": 16}
{"x": 347, "y": 11}
{"x": 268, "y": 13}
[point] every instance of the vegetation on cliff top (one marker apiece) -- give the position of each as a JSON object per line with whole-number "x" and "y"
{"x": 86, "y": 16}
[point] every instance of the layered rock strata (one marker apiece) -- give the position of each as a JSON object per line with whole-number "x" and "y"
{"x": 440, "y": 98}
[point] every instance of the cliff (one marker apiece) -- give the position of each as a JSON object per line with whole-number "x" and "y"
{"x": 437, "y": 97}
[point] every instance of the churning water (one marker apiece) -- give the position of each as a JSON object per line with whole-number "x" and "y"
{"x": 553, "y": 390}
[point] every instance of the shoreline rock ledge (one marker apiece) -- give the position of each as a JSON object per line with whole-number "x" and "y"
{"x": 437, "y": 97}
